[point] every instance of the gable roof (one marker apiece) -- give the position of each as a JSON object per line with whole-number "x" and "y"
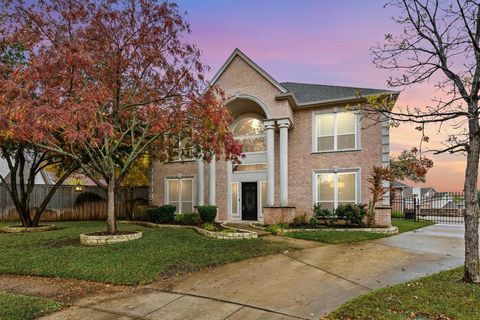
{"x": 238, "y": 53}
{"x": 308, "y": 93}
{"x": 424, "y": 191}
{"x": 398, "y": 184}
{"x": 305, "y": 94}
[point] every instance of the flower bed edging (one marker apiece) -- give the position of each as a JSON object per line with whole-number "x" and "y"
{"x": 245, "y": 234}
{"x": 227, "y": 235}
{"x": 99, "y": 240}
{"x": 388, "y": 231}
{"x": 18, "y": 229}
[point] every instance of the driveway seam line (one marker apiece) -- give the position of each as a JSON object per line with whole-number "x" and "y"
{"x": 181, "y": 296}
{"x": 231, "y": 314}
{"x": 329, "y": 272}
{"x": 231, "y": 302}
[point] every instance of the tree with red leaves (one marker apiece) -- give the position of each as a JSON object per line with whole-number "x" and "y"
{"x": 118, "y": 79}
{"x": 19, "y": 126}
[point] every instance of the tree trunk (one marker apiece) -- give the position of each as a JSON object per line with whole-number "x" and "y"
{"x": 471, "y": 273}
{"x": 111, "y": 221}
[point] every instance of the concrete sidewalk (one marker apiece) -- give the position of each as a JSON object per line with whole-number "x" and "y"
{"x": 304, "y": 284}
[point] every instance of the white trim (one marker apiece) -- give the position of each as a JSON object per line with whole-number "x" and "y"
{"x": 335, "y": 112}
{"x": 253, "y": 136}
{"x": 239, "y": 96}
{"x": 166, "y": 199}
{"x": 336, "y": 172}
{"x": 238, "y": 199}
{"x": 252, "y": 64}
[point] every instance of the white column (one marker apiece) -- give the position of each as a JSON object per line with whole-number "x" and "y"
{"x": 270, "y": 130}
{"x": 211, "y": 181}
{"x": 201, "y": 182}
{"x": 283, "y": 124}
{"x": 229, "y": 189}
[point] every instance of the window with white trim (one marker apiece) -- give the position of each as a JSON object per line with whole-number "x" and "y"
{"x": 180, "y": 194}
{"x": 335, "y": 131}
{"x": 235, "y": 198}
{"x": 333, "y": 189}
{"x": 184, "y": 151}
{"x": 250, "y": 132}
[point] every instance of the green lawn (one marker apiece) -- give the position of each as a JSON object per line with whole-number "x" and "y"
{"x": 335, "y": 237}
{"x": 441, "y": 296}
{"x": 18, "y": 307}
{"x": 161, "y": 252}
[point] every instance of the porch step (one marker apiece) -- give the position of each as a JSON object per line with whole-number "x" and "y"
{"x": 246, "y": 226}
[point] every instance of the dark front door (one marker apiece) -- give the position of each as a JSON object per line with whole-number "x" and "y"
{"x": 249, "y": 201}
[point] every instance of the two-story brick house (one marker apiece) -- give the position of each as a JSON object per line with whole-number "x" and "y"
{"x": 301, "y": 147}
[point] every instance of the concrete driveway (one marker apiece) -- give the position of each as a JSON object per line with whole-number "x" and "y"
{"x": 304, "y": 284}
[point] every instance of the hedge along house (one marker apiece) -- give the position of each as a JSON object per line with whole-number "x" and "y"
{"x": 301, "y": 147}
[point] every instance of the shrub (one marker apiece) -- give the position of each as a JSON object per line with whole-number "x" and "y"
{"x": 166, "y": 214}
{"x": 276, "y": 229}
{"x": 324, "y": 215}
{"x": 209, "y": 226}
{"x": 300, "y": 220}
{"x": 313, "y": 222}
{"x": 162, "y": 214}
{"x": 207, "y": 213}
{"x": 140, "y": 212}
{"x": 188, "y": 218}
{"x": 352, "y": 213}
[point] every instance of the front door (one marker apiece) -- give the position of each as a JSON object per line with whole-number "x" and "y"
{"x": 249, "y": 201}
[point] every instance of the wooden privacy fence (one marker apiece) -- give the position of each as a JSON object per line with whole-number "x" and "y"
{"x": 70, "y": 204}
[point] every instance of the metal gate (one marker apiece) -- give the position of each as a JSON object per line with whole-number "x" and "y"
{"x": 441, "y": 207}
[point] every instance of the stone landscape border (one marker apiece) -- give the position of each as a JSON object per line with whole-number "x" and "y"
{"x": 388, "y": 231}
{"x": 19, "y": 229}
{"x": 100, "y": 240}
{"x": 244, "y": 234}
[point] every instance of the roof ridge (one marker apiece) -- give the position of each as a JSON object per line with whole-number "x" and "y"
{"x": 333, "y": 85}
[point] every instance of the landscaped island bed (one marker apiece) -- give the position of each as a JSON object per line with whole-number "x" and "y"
{"x": 334, "y": 237}
{"x": 161, "y": 252}
{"x": 442, "y": 296}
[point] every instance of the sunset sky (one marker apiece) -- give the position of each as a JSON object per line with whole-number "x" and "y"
{"x": 314, "y": 41}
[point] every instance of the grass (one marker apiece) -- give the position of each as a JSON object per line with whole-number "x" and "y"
{"x": 409, "y": 225}
{"x": 441, "y": 296}
{"x": 160, "y": 253}
{"x": 336, "y": 237}
{"x": 19, "y": 307}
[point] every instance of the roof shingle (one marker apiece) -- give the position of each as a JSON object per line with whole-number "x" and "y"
{"x": 307, "y": 93}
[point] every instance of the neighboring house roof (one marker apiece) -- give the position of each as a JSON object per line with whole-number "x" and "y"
{"x": 424, "y": 191}
{"x": 42, "y": 178}
{"x": 399, "y": 185}
{"x": 310, "y": 93}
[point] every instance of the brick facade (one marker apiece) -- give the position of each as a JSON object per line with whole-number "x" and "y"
{"x": 240, "y": 79}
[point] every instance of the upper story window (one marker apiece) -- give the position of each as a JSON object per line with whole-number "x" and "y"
{"x": 335, "y": 131}
{"x": 183, "y": 152}
{"x": 250, "y": 132}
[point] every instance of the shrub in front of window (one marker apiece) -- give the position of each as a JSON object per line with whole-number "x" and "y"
{"x": 166, "y": 213}
{"x": 140, "y": 212}
{"x": 207, "y": 213}
{"x": 300, "y": 220}
{"x": 353, "y": 214}
{"x": 324, "y": 215}
{"x": 313, "y": 222}
{"x": 162, "y": 214}
{"x": 188, "y": 218}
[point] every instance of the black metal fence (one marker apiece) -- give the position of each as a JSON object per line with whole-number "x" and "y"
{"x": 440, "y": 207}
